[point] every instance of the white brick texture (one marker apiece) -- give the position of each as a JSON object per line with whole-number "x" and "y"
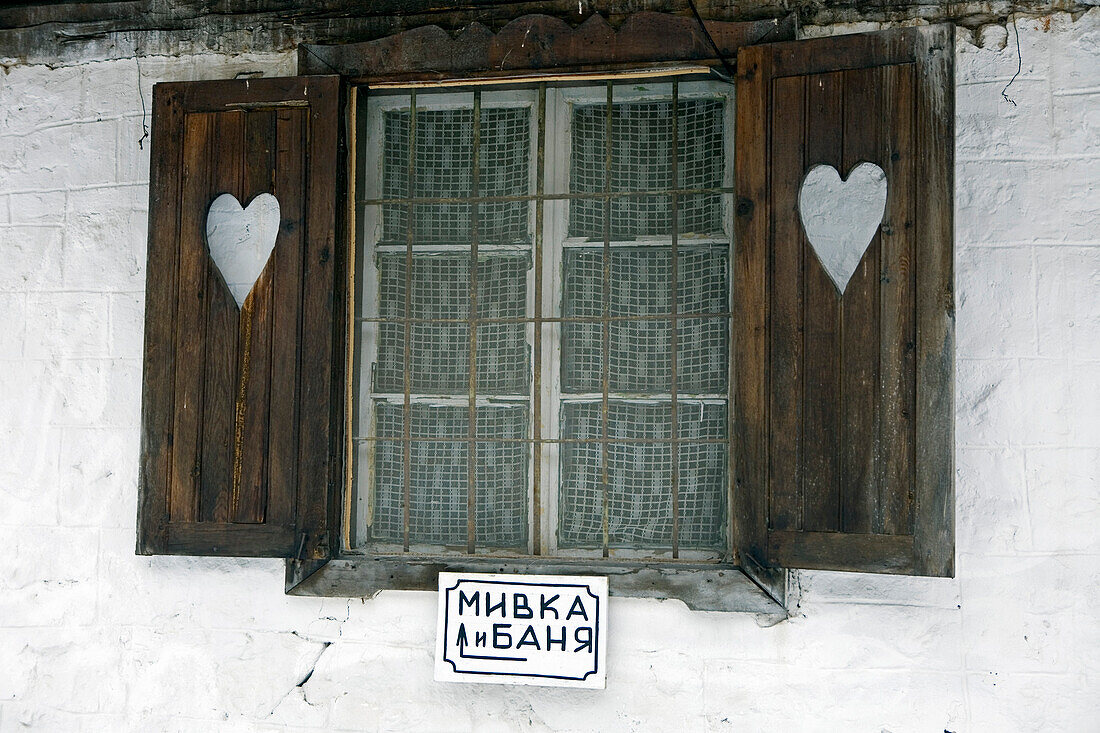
{"x": 95, "y": 638}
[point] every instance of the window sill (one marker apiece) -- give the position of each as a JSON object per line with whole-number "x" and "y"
{"x": 703, "y": 587}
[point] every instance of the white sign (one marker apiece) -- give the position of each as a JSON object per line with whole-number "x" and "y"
{"x": 522, "y": 629}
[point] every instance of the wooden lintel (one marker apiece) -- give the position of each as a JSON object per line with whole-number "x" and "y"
{"x": 539, "y": 42}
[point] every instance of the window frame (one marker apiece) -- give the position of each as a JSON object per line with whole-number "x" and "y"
{"x": 555, "y": 241}
{"x": 647, "y": 43}
{"x": 710, "y": 584}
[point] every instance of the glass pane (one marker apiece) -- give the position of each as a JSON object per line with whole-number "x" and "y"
{"x": 444, "y": 169}
{"x": 641, "y": 160}
{"x": 439, "y": 355}
{"x": 703, "y": 470}
{"x": 702, "y": 284}
{"x": 640, "y": 350}
{"x": 440, "y": 476}
{"x": 702, "y": 356}
{"x": 640, "y": 476}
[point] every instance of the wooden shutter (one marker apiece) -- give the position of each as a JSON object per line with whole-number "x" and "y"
{"x": 239, "y": 418}
{"x": 843, "y": 400}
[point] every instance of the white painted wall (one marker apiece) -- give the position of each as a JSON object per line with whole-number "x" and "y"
{"x": 94, "y": 638}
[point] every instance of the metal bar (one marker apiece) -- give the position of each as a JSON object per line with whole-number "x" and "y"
{"x": 513, "y": 400}
{"x": 505, "y": 250}
{"x": 536, "y": 409}
{"x": 550, "y": 319}
{"x": 564, "y": 196}
{"x": 407, "y": 412}
{"x": 606, "y": 351}
{"x": 545, "y": 441}
{"x": 673, "y": 335}
{"x": 471, "y": 451}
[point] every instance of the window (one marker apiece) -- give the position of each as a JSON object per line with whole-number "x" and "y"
{"x": 629, "y": 311}
{"x": 549, "y": 352}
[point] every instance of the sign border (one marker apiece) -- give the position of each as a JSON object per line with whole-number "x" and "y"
{"x": 449, "y": 581}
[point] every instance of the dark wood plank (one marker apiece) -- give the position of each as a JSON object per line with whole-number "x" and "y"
{"x": 318, "y": 450}
{"x": 47, "y": 33}
{"x": 238, "y": 540}
{"x": 934, "y": 528}
{"x": 821, "y": 301}
{"x": 859, "y": 332}
{"x": 186, "y": 464}
{"x": 161, "y": 272}
{"x": 194, "y": 350}
{"x": 865, "y": 553}
{"x": 290, "y": 150}
{"x": 890, "y": 356}
{"x": 748, "y": 356}
{"x": 642, "y": 37}
{"x": 221, "y": 329}
{"x": 786, "y": 307}
{"x": 254, "y": 341}
{"x": 839, "y": 53}
{"x": 897, "y": 309}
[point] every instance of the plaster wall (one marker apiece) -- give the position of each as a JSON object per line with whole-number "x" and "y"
{"x": 94, "y": 638}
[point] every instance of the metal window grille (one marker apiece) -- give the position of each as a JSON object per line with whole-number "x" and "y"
{"x": 445, "y": 149}
{"x": 455, "y": 435}
{"x": 641, "y": 155}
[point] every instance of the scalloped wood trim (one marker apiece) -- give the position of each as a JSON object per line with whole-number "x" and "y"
{"x": 540, "y": 42}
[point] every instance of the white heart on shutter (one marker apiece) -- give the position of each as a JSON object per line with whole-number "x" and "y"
{"x": 241, "y": 240}
{"x": 841, "y": 216}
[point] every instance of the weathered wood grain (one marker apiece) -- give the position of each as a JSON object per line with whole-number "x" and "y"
{"x": 190, "y": 326}
{"x": 539, "y": 42}
{"x": 319, "y": 358}
{"x": 162, "y": 270}
{"x": 290, "y": 156}
{"x": 786, "y": 315}
{"x": 221, "y": 328}
{"x": 934, "y": 518}
{"x": 876, "y": 361}
{"x": 860, "y": 319}
{"x": 253, "y": 388}
{"x": 226, "y": 478}
{"x": 749, "y": 449}
{"x": 70, "y": 31}
{"x": 898, "y": 326}
{"x": 821, "y": 303}
{"x": 702, "y": 587}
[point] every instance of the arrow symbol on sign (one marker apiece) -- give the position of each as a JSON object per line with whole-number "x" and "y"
{"x": 462, "y": 640}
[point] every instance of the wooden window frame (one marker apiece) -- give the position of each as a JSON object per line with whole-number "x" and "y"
{"x": 647, "y": 44}
{"x": 549, "y": 249}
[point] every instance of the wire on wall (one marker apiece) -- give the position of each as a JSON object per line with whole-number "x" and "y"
{"x": 1019, "y": 64}
{"x": 141, "y": 96}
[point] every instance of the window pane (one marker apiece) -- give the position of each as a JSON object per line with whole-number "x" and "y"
{"x": 640, "y": 350}
{"x": 641, "y": 160}
{"x": 439, "y": 476}
{"x": 443, "y": 169}
{"x": 440, "y": 351}
{"x": 702, "y": 355}
{"x": 639, "y": 476}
